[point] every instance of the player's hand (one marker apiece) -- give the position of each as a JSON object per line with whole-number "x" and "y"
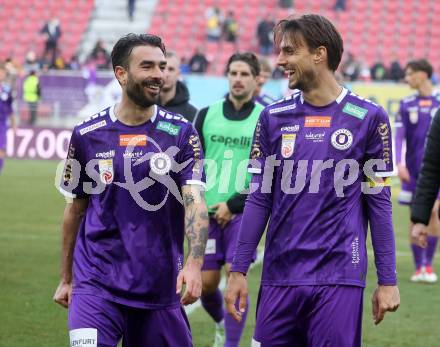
{"x": 191, "y": 276}
{"x": 385, "y": 299}
{"x": 237, "y": 288}
{"x": 403, "y": 173}
{"x": 419, "y": 235}
{"x": 63, "y": 294}
{"x": 222, "y": 213}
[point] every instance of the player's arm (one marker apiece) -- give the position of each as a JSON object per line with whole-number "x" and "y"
{"x": 196, "y": 230}
{"x": 379, "y": 211}
{"x": 428, "y": 184}
{"x": 71, "y": 186}
{"x": 73, "y": 214}
{"x": 400, "y": 139}
{"x": 255, "y": 216}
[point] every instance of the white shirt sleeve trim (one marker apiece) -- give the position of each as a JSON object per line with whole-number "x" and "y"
{"x": 254, "y": 170}
{"x": 385, "y": 174}
{"x": 196, "y": 182}
{"x": 66, "y": 193}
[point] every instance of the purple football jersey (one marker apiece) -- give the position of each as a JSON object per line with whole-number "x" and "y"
{"x": 129, "y": 247}
{"x": 5, "y": 102}
{"x": 412, "y": 124}
{"x": 318, "y": 224}
{"x": 264, "y": 99}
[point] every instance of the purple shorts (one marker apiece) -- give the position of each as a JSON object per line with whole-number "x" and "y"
{"x": 300, "y": 316}
{"x": 406, "y": 195}
{"x": 221, "y": 243}
{"x": 3, "y": 129}
{"x": 96, "y": 322}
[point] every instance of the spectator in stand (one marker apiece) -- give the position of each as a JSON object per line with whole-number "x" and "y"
{"x": 100, "y": 56}
{"x": 184, "y": 66}
{"x": 340, "y": 5}
{"x": 379, "y": 71}
{"x": 52, "y": 33}
{"x": 265, "y": 35}
{"x": 214, "y": 20}
{"x": 31, "y": 63}
{"x": 131, "y": 8}
{"x": 285, "y": 3}
{"x": 74, "y": 63}
{"x": 350, "y": 68}
{"x": 396, "y": 72}
{"x": 230, "y": 27}
{"x": 198, "y": 62}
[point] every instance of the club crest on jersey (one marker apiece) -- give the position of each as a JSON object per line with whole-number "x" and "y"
{"x": 413, "y": 116}
{"x": 160, "y": 163}
{"x": 342, "y": 139}
{"x": 287, "y": 145}
{"x": 106, "y": 173}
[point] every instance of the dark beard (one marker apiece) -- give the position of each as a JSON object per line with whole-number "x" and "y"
{"x": 307, "y": 82}
{"x": 137, "y": 96}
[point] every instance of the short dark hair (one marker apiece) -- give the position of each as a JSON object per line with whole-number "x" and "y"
{"x": 420, "y": 65}
{"x": 122, "y": 49}
{"x": 316, "y": 31}
{"x": 248, "y": 58}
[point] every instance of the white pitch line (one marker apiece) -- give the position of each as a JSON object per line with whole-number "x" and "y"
{"x": 191, "y": 308}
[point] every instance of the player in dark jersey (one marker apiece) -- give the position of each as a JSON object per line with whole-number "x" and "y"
{"x": 134, "y": 173}
{"x": 412, "y": 126}
{"x": 313, "y": 151}
{"x": 6, "y": 113}
{"x": 265, "y": 74}
{"x": 226, "y": 128}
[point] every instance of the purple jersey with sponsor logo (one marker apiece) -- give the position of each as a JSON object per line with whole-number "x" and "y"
{"x": 412, "y": 124}
{"x": 317, "y": 229}
{"x": 5, "y": 102}
{"x": 129, "y": 248}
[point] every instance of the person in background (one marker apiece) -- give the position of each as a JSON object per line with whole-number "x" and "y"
{"x": 174, "y": 95}
{"x": 265, "y": 74}
{"x": 412, "y": 125}
{"x": 6, "y": 113}
{"x": 32, "y": 95}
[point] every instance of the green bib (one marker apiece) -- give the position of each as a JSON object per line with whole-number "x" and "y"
{"x": 227, "y": 149}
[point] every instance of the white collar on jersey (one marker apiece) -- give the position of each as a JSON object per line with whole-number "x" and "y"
{"x": 340, "y": 97}
{"x": 114, "y": 118}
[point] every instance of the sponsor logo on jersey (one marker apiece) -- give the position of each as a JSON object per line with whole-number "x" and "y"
{"x": 106, "y": 173}
{"x": 413, "y": 113}
{"x": 242, "y": 141}
{"x": 168, "y": 128}
{"x": 287, "y": 145}
{"x": 384, "y": 133}
{"x": 342, "y": 139}
{"x": 160, "y": 163}
{"x": 133, "y": 155}
{"x": 105, "y": 155}
{"x": 425, "y": 103}
{"x": 282, "y": 109}
{"x": 210, "y": 246}
{"x": 93, "y": 127}
{"x": 68, "y": 169}
{"x": 355, "y": 111}
{"x": 318, "y": 122}
{"x": 291, "y": 128}
{"x": 132, "y": 140}
{"x": 84, "y": 337}
{"x": 315, "y": 137}
{"x": 194, "y": 142}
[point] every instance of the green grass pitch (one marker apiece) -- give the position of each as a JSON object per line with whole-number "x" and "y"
{"x": 30, "y": 216}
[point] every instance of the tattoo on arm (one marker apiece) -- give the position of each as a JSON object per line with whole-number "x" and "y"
{"x": 196, "y": 221}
